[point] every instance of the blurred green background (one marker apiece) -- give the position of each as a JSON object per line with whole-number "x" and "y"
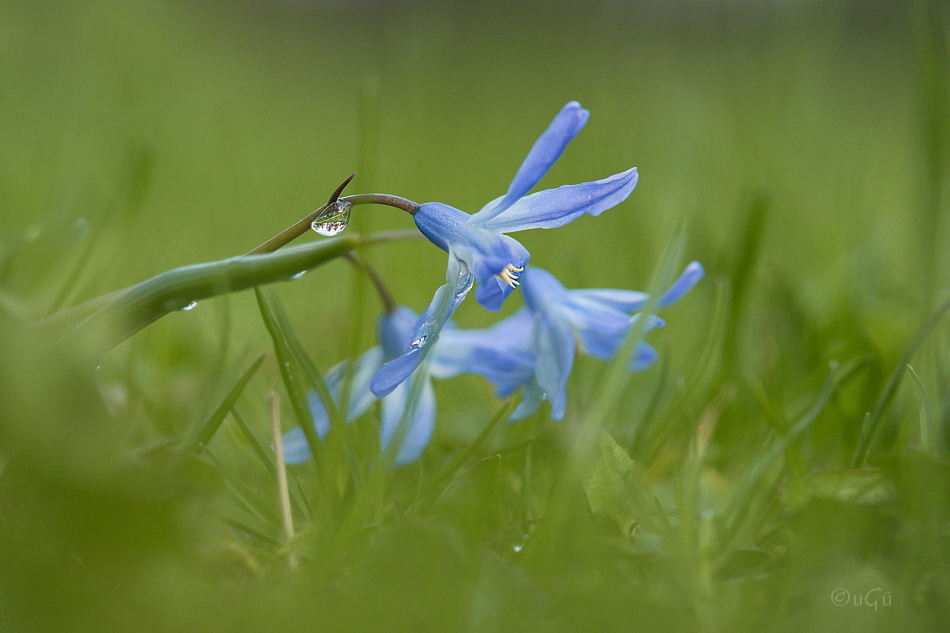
{"x": 800, "y": 146}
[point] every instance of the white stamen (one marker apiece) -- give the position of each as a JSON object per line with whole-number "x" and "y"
{"x": 510, "y": 275}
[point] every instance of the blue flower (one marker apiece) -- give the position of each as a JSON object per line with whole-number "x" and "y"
{"x": 477, "y": 245}
{"x": 535, "y": 347}
{"x": 408, "y": 415}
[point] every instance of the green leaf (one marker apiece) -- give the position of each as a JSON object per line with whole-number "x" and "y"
{"x": 140, "y": 305}
{"x": 849, "y": 485}
{"x": 608, "y": 486}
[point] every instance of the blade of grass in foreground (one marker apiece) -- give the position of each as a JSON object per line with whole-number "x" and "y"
{"x": 873, "y": 420}
{"x": 738, "y": 520}
{"x": 928, "y": 428}
{"x": 211, "y": 425}
{"x": 291, "y": 380}
{"x": 542, "y": 548}
{"x": 176, "y": 289}
{"x": 255, "y": 452}
{"x": 206, "y": 425}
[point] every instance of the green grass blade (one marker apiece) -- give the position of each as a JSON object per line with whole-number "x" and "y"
{"x": 263, "y": 454}
{"x": 463, "y": 456}
{"x": 251, "y": 525}
{"x": 211, "y": 425}
{"x": 873, "y": 422}
{"x": 928, "y": 430}
{"x": 264, "y": 457}
{"x": 175, "y": 289}
{"x": 134, "y": 179}
{"x": 292, "y": 381}
{"x": 735, "y": 514}
{"x": 243, "y": 492}
{"x": 314, "y": 376}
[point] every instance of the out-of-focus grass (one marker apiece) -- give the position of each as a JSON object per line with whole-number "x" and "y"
{"x": 803, "y": 148}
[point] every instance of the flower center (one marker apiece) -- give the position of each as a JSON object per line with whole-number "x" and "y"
{"x": 510, "y": 275}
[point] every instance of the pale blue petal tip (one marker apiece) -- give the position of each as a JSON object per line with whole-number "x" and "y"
{"x": 296, "y": 449}
{"x": 690, "y": 277}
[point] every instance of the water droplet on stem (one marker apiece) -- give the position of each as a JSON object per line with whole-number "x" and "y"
{"x": 333, "y": 220}
{"x": 191, "y": 306}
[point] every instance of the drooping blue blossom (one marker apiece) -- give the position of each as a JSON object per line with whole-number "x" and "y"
{"x": 403, "y": 412}
{"x": 598, "y": 318}
{"x": 478, "y": 247}
{"x": 535, "y": 347}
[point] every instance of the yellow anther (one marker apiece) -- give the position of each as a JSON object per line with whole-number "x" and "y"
{"x": 510, "y": 275}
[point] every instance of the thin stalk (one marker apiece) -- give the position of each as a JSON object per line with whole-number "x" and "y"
{"x": 286, "y": 517}
{"x": 301, "y": 226}
{"x": 389, "y": 304}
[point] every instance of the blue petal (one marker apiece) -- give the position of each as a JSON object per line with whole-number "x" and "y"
{"x": 440, "y": 223}
{"x": 492, "y": 294}
{"x": 482, "y": 351}
{"x": 690, "y": 277}
{"x": 394, "y": 330}
{"x": 554, "y": 349}
{"x": 361, "y": 398}
{"x": 426, "y": 331}
{"x": 418, "y": 418}
{"x": 506, "y": 369}
{"x": 602, "y": 343}
{"x": 544, "y": 293}
{"x": 541, "y": 289}
{"x": 296, "y": 449}
{"x": 556, "y": 207}
{"x": 531, "y": 399}
{"x": 645, "y": 356}
{"x": 485, "y": 253}
{"x": 393, "y": 373}
{"x": 623, "y": 300}
{"x": 545, "y": 151}
{"x": 492, "y": 289}
{"x": 590, "y": 315}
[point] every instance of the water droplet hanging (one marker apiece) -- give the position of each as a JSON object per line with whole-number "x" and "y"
{"x": 333, "y": 220}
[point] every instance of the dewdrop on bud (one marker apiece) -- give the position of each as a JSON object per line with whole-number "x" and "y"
{"x": 333, "y": 220}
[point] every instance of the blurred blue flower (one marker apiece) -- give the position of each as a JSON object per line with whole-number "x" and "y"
{"x": 412, "y": 418}
{"x": 477, "y": 245}
{"x": 535, "y": 347}
{"x": 598, "y": 318}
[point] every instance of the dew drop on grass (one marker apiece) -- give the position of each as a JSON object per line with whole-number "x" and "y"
{"x": 333, "y": 220}
{"x": 298, "y": 275}
{"x": 191, "y": 306}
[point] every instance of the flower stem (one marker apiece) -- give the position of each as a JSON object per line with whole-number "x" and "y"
{"x": 301, "y": 226}
{"x": 389, "y": 304}
{"x": 386, "y": 199}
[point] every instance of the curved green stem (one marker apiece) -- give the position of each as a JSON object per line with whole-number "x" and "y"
{"x": 301, "y": 226}
{"x": 389, "y": 304}
{"x": 386, "y": 199}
